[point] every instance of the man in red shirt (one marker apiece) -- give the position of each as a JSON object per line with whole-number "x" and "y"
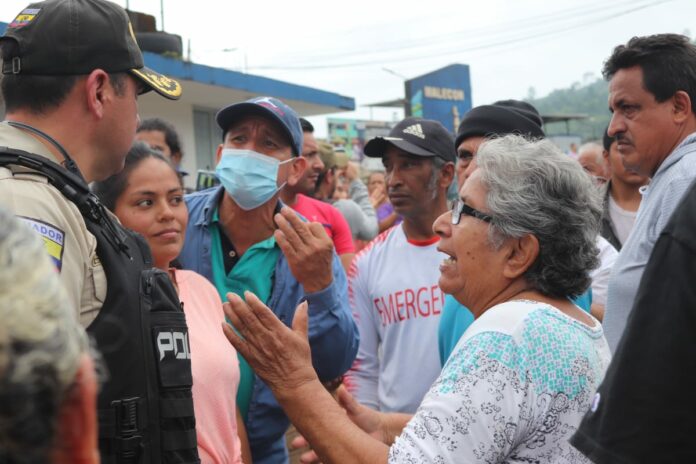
{"x": 314, "y": 210}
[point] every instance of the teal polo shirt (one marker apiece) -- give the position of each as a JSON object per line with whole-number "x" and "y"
{"x": 254, "y": 272}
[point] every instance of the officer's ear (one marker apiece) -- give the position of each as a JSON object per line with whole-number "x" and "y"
{"x": 98, "y": 92}
{"x": 77, "y": 422}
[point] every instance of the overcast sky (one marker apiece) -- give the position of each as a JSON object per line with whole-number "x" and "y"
{"x": 344, "y": 47}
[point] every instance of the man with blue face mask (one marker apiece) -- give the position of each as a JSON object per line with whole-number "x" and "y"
{"x": 242, "y": 238}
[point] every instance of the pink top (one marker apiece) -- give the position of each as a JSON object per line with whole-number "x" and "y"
{"x": 328, "y": 216}
{"x": 215, "y": 370}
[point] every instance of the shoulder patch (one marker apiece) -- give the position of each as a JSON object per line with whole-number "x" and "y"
{"x": 53, "y": 238}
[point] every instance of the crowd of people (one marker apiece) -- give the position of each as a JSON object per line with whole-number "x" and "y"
{"x": 306, "y": 310}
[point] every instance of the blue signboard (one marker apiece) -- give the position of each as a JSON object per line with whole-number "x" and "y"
{"x": 443, "y": 95}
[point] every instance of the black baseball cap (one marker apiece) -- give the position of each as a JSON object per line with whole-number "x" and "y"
{"x": 73, "y": 37}
{"x": 417, "y": 136}
{"x": 501, "y": 118}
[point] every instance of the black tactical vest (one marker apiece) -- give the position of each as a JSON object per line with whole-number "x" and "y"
{"x": 145, "y": 406}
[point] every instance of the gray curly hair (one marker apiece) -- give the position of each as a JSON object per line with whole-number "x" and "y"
{"x": 41, "y": 343}
{"x": 533, "y": 188}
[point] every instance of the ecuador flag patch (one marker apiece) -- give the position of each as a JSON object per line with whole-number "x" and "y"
{"x": 53, "y": 238}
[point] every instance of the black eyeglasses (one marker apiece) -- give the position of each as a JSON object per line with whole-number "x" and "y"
{"x": 462, "y": 208}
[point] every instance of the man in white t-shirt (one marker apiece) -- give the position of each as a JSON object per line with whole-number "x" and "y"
{"x": 393, "y": 282}
{"x": 622, "y": 197}
{"x": 600, "y": 275}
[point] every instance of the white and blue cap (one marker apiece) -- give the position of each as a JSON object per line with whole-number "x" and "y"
{"x": 270, "y": 107}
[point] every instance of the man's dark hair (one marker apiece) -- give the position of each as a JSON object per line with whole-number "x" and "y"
{"x": 39, "y": 94}
{"x": 607, "y": 140}
{"x": 668, "y": 62}
{"x": 111, "y": 189}
{"x": 171, "y": 137}
{"x": 306, "y": 125}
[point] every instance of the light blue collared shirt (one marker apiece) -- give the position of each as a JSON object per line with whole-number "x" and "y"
{"x": 660, "y": 198}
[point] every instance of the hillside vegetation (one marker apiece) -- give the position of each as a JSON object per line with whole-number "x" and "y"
{"x": 589, "y": 98}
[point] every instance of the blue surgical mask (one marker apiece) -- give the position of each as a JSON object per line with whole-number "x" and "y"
{"x": 250, "y": 178}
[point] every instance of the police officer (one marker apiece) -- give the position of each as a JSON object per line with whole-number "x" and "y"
{"x": 71, "y": 75}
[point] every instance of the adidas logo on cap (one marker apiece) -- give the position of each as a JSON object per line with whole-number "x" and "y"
{"x": 416, "y": 130}
{"x": 417, "y": 137}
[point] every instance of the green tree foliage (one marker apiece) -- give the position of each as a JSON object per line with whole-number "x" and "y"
{"x": 589, "y": 99}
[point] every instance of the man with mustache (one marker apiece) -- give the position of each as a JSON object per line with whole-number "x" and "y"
{"x": 652, "y": 91}
{"x": 643, "y": 410}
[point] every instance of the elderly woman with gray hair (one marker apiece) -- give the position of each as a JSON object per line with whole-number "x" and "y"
{"x": 521, "y": 243}
{"x": 48, "y": 386}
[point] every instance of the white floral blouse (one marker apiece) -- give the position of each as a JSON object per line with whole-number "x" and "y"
{"x": 513, "y": 391}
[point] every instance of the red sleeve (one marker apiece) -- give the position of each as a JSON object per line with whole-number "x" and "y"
{"x": 337, "y": 227}
{"x": 342, "y": 236}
